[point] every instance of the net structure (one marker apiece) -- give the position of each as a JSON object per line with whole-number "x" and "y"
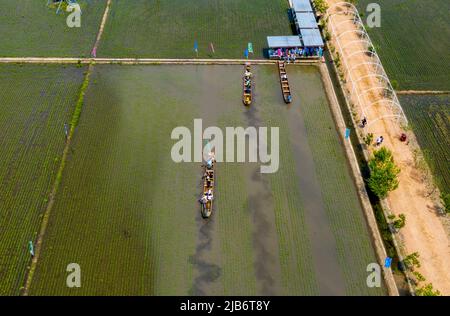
{"x": 338, "y": 18}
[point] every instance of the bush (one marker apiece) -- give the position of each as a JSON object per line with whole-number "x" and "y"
{"x": 383, "y": 173}
{"x": 412, "y": 261}
{"x": 368, "y": 139}
{"x": 419, "y": 276}
{"x": 395, "y": 84}
{"x": 445, "y": 197}
{"x": 427, "y": 290}
{"x": 400, "y": 222}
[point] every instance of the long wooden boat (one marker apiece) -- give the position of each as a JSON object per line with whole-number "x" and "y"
{"x": 209, "y": 179}
{"x": 247, "y": 95}
{"x": 285, "y": 89}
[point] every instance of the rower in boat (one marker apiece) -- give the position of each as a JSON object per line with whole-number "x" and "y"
{"x": 285, "y": 89}
{"x": 247, "y": 82}
{"x": 208, "y": 186}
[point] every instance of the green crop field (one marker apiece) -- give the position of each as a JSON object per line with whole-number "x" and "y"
{"x": 168, "y": 29}
{"x": 413, "y": 42}
{"x": 29, "y": 28}
{"x": 429, "y": 116}
{"x": 129, "y": 216}
{"x": 35, "y": 102}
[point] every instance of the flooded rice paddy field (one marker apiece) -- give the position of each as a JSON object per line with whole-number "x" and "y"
{"x": 35, "y": 103}
{"x": 129, "y": 215}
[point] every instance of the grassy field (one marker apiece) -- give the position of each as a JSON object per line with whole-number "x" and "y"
{"x": 36, "y": 101}
{"x": 429, "y": 116}
{"x": 31, "y": 29}
{"x": 413, "y": 42}
{"x": 168, "y": 29}
{"x": 130, "y": 217}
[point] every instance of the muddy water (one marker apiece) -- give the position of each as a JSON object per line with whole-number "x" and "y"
{"x": 216, "y": 90}
{"x": 213, "y": 103}
{"x": 261, "y": 206}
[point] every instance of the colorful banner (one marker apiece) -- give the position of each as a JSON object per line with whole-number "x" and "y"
{"x": 347, "y": 133}
{"x": 387, "y": 262}
{"x": 250, "y": 47}
{"x": 31, "y": 248}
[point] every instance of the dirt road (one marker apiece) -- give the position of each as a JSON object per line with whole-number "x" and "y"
{"x": 425, "y": 231}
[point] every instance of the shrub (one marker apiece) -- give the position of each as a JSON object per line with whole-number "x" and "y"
{"x": 320, "y": 5}
{"x": 445, "y": 197}
{"x": 412, "y": 260}
{"x": 427, "y": 290}
{"x": 419, "y": 276}
{"x": 398, "y": 223}
{"x": 395, "y": 84}
{"x": 368, "y": 139}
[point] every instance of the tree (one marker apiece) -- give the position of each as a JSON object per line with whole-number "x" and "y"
{"x": 383, "y": 173}
{"x": 427, "y": 290}
{"x": 320, "y": 5}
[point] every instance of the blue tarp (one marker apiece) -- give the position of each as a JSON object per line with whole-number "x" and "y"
{"x": 301, "y": 6}
{"x": 311, "y": 37}
{"x": 284, "y": 41}
{"x": 306, "y": 20}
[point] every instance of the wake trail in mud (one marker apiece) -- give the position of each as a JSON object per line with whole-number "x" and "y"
{"x": 265, "y": 238}
{"x": 207, "y": 272}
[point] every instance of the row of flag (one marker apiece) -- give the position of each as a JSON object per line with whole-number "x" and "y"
{"x": 247, "y": 51}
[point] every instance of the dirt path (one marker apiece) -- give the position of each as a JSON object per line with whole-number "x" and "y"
{"x": 102, "y": 27}
{"x": 424, "y": 231}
